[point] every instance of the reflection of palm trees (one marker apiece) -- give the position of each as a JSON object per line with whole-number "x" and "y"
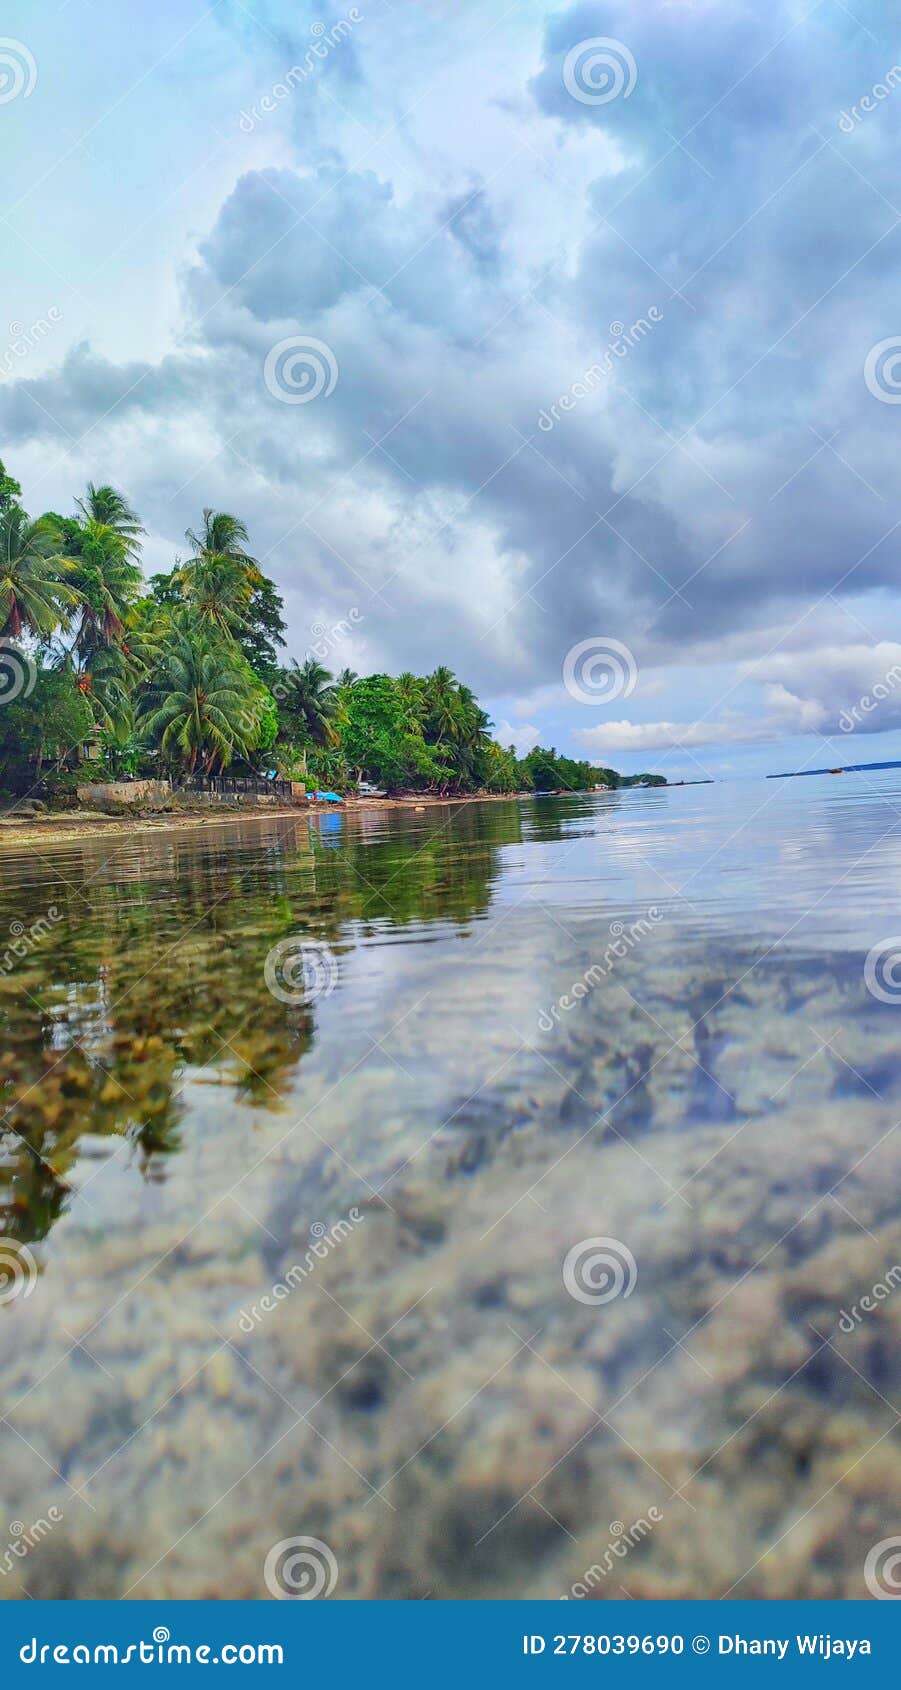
{"x": 144, "y": 983}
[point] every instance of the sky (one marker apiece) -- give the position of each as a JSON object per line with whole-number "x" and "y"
{"x": 560, "y": 344}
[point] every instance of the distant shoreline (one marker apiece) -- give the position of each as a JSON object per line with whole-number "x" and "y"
{"x": 54, "y": 827}
{"x": 847, "y": 769}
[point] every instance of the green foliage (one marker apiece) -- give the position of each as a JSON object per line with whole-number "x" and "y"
{"x": 181, "y": 674}
{"x": 43, "y": 729}
{"x": 308, "y": 704}
{"x": 10, "y": 491}
{"x": 36, "y": 594}
{"x": 203, "y": 705}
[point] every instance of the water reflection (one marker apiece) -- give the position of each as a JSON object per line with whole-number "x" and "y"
{"x": 149, "y": 968}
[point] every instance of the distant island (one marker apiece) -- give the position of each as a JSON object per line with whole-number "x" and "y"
{"x": 847, "y": 769}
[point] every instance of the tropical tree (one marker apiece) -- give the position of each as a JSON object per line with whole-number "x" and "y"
{"x": 201, "y": 707}
{"x": 36, "y": 590}
{"x": 309, "y": 703}
{"x": 107, "y": 581}
{"x": 218, "y": 581}
{"x": 111, "y": 509}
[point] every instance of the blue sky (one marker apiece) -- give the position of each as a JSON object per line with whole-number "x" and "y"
{"x": 593, "y": 314}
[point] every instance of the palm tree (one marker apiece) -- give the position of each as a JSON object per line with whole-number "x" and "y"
{"x": 201, "y": 707}
{"x": 347, "y": 678}
{"x": 36, "y": 592}
{"x": 222, "y": 536}
{"x": 112, "y": 510}
{"x": 411, "y": 691}
{"x": 310, "y": 701}
{"x": 107, "y": 581}
{"x": 220, "y": 578}
{"x": 443, "y": 701}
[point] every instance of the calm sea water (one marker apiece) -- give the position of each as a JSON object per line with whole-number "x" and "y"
{"x": 504, "y": 1196}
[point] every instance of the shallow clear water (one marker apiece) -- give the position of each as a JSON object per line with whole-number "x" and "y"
{"x": 307, "y": 1267}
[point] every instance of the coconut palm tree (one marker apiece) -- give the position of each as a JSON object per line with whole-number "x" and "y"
{"x": 37, "y": 593}
{"x": 108, "y": 507}
{"x": 220, "y": 578}
{"x": 309, "y": 701}
{"x": 108, "y": 583}
{"x": 442, "y": 700}
{"x": 411, "y": 692}
{"x": 200, "y": 707}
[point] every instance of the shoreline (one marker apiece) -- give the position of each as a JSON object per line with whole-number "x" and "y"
{"x": 62, "y": 826}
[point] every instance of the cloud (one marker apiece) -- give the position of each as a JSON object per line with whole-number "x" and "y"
{"x": 523, "y": 737}
{"x": 464, "y": 243}
{"x": 606, "y": 740}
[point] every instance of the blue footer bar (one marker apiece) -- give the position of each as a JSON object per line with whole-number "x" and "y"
{"x": 631, "y": 1643}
